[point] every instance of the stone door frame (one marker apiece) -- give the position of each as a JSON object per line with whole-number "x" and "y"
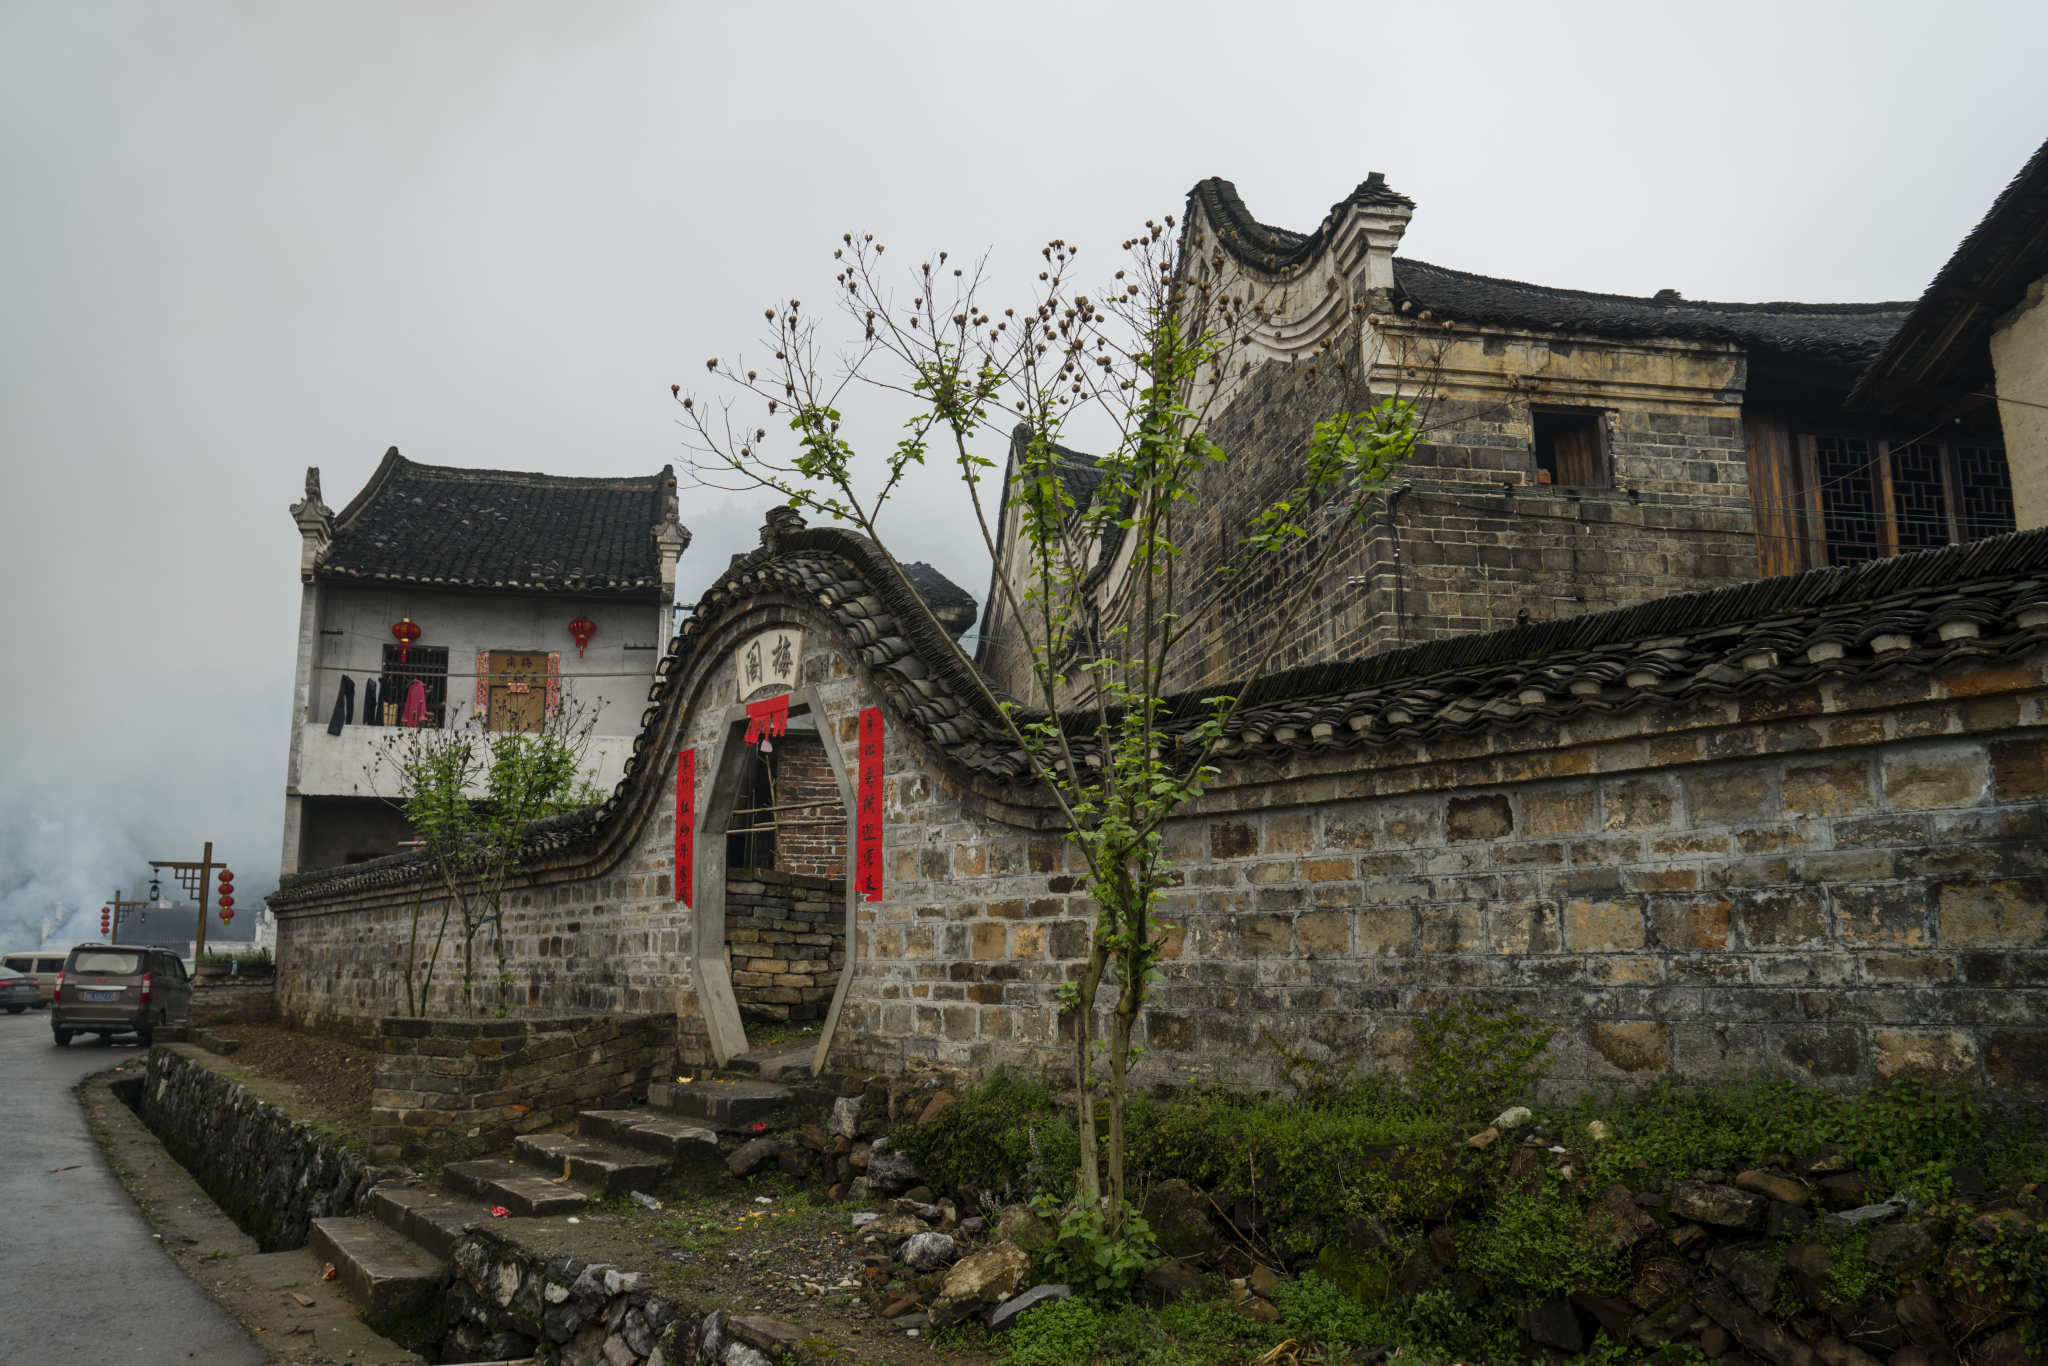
{"x": 713, "y": 983}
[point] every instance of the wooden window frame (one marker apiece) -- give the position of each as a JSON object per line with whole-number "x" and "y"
{"x": 1603, "y": 454}
{"x": 1815, "y": 542}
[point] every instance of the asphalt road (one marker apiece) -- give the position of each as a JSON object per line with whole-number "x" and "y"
{"x": 81, "y": 1278}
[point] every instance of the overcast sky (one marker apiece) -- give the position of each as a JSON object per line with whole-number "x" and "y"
{"x": 240, "y": 239}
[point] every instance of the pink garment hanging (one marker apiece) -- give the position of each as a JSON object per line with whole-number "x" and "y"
{"x": 415, "y": 704}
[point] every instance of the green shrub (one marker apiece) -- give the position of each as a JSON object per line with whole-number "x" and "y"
{"x": 1064, "y": 1333}
{"x": 2018, "y": 1255}
{"x": 1893, "y": 1133}
{"x": 1533, "y": 1239}
{"x": 1473, "y": 1059}
{"x": 1313, "y": 1307}
{"x": 980, "y": 1139}
{"x": 1307, "y": 1169}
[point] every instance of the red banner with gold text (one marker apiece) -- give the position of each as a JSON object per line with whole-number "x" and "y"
{"x": 686, "y": 824}
{"x": 867, "y": 826}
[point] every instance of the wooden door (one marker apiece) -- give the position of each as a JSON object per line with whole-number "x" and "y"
{"x": 519, "y": 689}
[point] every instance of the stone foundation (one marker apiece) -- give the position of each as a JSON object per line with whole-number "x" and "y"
{"x": 272, "y": 1174}
{"x": 449, "y": 1089}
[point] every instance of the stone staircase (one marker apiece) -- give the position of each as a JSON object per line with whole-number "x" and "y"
{"x": 395, "y": 1258}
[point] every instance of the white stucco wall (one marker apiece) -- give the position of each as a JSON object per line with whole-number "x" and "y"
{"x": 2019, "y": 357}
{"x": 355, "y": 626}
{"x": 347, "y": 765}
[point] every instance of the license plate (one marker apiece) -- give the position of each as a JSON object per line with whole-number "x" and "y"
{"x": 101, "y": 995}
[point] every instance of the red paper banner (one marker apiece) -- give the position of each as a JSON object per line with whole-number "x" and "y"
{"x": 686, "y": 824}
{"x": 867, "y": 827}
{"x": 768, "y": 717}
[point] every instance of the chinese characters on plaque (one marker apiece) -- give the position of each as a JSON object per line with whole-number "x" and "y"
{"x": 772, "y": 657}
{"x": 867, "y": 826}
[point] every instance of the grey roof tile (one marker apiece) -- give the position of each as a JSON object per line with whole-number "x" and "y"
{"x": 436, "y": 524}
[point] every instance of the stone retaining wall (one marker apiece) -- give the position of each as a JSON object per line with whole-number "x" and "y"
{"x": 785, "y": 935}
{"x": 271, "y": 1173}
{"x": 448, "y": 1089}
{"x": 235, "y": 1000}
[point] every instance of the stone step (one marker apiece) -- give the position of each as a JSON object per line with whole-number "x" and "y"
{"x": 387, "y": 1275}
{"x": 687, "y": 1146}
{"x": 516, "y": 1188}
{"x": 433, "y": 1221}
{"x": 598, "y": 1166}
{"x": 730, "y": 1103}
{"x": 770, "y": 1061}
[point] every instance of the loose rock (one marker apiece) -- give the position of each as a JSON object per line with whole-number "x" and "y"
{"x": 930, "y": 1251}
{"x": 1721, "y": 1206}
{"x": 1782, "y": 1188}
{"x": 1904, "y": 1247}
{"x": 754, "y": 1156}
{"x": 1020, "y": 1226}
{"x": 979, "y": 1282}
{"x": 1179, "y": 1219}
{"x": 1004, "y": 1315}
{"x": 1614, "y": 1221}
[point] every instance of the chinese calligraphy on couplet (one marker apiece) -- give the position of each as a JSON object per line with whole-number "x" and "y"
{"x": 686, "y": 823}
{"x": 867, "y": 828}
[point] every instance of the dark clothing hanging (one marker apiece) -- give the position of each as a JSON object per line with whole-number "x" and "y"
{"x": 371, "y": 716}
{"x": 344, "y": 706}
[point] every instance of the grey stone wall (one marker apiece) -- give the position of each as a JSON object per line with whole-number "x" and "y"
{"x": 1842, "y": 882}
{"x": 785, "y": 937}
{"x": 272, "y": 1174}
{"x": 448, "y": 1089}
{"x": 1450, "y": 562}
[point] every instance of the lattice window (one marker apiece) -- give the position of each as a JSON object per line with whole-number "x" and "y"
{"x": 1984, "y": 492}
{"x": 1848, "y": 481}
{"x": 1919, "y": 499}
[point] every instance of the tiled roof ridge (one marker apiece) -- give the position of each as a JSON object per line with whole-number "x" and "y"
{"x": 1267, "y": 248}
{"x": 502, "y": 530}
{"x": 1679, "y": 304}
{"x": 1987, "y": 599}
{"x": 2021, "y": 200}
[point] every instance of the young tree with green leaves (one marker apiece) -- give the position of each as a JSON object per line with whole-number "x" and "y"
{"x": 1155, "y": 354}
{"x": 470, "y": 795}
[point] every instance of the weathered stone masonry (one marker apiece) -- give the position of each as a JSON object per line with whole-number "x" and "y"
{"x": 1794, "y": 825}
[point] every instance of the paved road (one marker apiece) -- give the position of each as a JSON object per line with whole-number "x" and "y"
{"x": 81, "y": 1279}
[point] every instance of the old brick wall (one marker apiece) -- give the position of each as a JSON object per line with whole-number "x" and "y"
{"x": 785, "y": 936}
{"x": 812, "y": 840}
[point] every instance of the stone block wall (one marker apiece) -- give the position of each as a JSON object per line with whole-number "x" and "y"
{"x": 233, "y": 1000}
{"x": 1843, "y": 884}
{"x": 785, "y": 938}
{"x": 447, "y": 1089}
{"x": 272, "y": 1173}
{"x": 1842, "y": 881}
{"x": 1477, "y": 542}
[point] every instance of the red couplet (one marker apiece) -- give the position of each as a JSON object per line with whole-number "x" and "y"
{"x": 686, "y": 823}
{"x": 867, "y": 829}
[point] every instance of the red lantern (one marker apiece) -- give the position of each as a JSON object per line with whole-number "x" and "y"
{"x": 106, "y": 918}
{"x": 406, "y": 631}
{"x": 583, "y": 628}
{"x": 226, "y": 915}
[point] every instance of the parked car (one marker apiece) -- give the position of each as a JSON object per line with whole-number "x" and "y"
{"x": 18, "y": 992}
{"x": 110, "y": 989}
{"x": 44, "y": 967}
